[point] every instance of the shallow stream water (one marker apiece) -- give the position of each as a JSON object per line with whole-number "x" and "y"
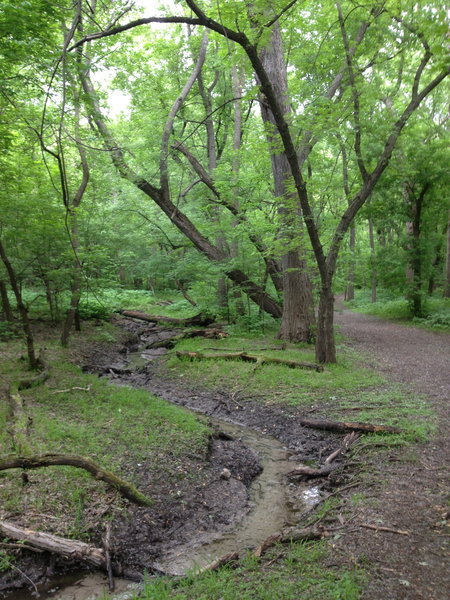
{"x": 270, "y": 509}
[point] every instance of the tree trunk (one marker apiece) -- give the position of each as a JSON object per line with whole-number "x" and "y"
{"x": 350, "y": 289}
{"x": 447, "y": 263}
{"x": 76, "y": 284}
{"x": 413, "y": 230}
{"x": 373, "y": 268}
{"x": 6, "y": 306}
{"x": 325, "y": 344}
{"x": 297, "y": 323}
{"x": 298, "y": 315}
{"x": 34, "y": 363}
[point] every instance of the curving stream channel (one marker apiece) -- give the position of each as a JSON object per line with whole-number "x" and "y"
{"x": 270, "y": 508}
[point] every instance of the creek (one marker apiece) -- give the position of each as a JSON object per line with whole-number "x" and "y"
{"x": 271, "y": 507}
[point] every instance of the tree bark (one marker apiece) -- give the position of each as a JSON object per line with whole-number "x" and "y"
{"x": 71, "y": 549}
{"x": 6, "y": 305}
{"x": 298, "y": 323}
{"x": 325, "y": 344}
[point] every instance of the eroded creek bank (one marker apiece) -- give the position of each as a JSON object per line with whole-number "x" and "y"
{"x": 234, "y": 498}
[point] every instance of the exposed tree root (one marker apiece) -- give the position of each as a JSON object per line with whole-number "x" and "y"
{"x": 255, "y": 358}
{"x": 72, "y": 460}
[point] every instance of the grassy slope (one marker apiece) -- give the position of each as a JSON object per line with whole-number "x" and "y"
{"x": 127, "y": 431}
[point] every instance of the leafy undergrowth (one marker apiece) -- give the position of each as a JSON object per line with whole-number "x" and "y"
{"x": 345, "y": 391}
{"x": 127, "y": 431}
{"x": 436, "y": 310}
{"x": 301, "y": 571}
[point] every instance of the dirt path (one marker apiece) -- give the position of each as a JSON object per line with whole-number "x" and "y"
{"x": 413, "y": 491}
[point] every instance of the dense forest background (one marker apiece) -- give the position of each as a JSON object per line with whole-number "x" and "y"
{"x": 250, "y": 159}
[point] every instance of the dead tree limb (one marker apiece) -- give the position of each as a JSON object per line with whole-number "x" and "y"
{"x": 301, "y": 472}
{"x": 345, "y": 426}
{"x": 255, "y": 358}
{"x": 52, "y": 543}
{"x": 47, "y": 460}
{"x": 200, "y": 320}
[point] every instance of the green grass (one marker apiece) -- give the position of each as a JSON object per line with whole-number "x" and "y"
{"x": 275, "y": 383}
{"x": 293, "y": 573}
{"x": 437, "y": 310}
{"x": 127, "y": 431}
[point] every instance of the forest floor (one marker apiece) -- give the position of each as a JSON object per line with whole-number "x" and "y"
{"x": 405, "y": 489}
{"x": 398, "y": 489}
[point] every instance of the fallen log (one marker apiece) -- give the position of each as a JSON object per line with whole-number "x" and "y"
{"x": 300, "y": 472}
{"x": 255, "y": 358}
{"x": 214, "y": 333}
{"x": 200, "y": 319}
{"x": 346, "y": 426}
{"x": 47, "y": 460}
{"x": 71, "y": 549}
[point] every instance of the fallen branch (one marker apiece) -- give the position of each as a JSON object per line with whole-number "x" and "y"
{"x": 200, "y": 319}
{"x": 346, "y": 443}
{"x": 255, "y": 358}
{"x": 300, "y": 472}
{"x": 382, "y": 528}
{"x": 219, "y": 562}
{"x": 344, "y": 426}
{"x": 289, "y": 535}
{"x": 81, "y": 389}
{"x": 52, "y": 543}
{"x": 46, "y": 460}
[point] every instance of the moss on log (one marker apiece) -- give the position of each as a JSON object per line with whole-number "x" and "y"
{"x": 48, "y": 460}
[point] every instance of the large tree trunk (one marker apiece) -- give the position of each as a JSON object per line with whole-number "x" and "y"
{"x": 6, "y": 310}
{"x": 297, "y": 323}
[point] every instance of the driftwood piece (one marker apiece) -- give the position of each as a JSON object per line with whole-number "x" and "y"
{"x": 300, "y": 472}
{"x": 46, "y": 460}
{"x": 255, "y": 358}
{"x": 200, "y": 319}
{"x": 345, "y": 426}
{"x": 71, "y": 549}
{"x": 219, "y": 562}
